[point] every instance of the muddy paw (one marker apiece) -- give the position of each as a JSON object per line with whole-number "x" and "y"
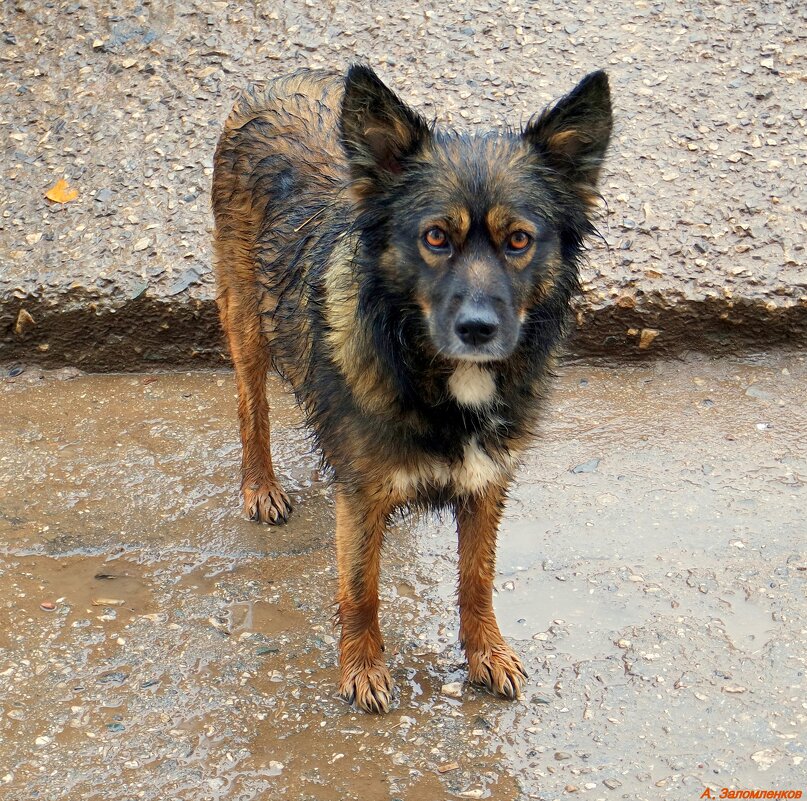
{"x": 267, "y": 503}
{"x": 498, "y": 669}
{"x": 368, "y": 687}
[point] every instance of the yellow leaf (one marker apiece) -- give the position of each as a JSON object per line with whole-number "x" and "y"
{"x": 61, "y": 192}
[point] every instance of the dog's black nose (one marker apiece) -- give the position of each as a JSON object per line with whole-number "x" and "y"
{"x": 476, "y": 325}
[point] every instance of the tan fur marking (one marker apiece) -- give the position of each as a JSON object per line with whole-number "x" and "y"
{"x": 353, "y": 352}
{"x": 459, "y": 219}
{"x": 364, "y": 679}
{"x": 546, "y": 285}
{"x": 491, "y": 662}
{"x": 498, "y": 220}
{"x": 564, "y": 140}
{"x": 434, "y": 260}
{"x": 501, "y": 223}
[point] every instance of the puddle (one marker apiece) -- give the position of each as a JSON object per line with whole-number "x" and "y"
{"x": 650, "y": 571}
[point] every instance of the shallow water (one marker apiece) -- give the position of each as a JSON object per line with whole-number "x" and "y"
{"x": 657, "y": 596}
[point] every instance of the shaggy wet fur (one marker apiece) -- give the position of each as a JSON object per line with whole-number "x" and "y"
{"x": 379, "y": 264}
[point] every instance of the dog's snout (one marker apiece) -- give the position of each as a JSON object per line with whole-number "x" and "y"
{"x": 476, "y": 325}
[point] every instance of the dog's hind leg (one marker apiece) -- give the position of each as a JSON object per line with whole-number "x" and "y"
{"x": 264, "y": 499}
{"x": 491, "y": 661}
{"x": 364, "y": 678}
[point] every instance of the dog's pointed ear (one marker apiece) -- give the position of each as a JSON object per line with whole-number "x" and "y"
{"x": 378, "y": 130}
{"x": 572, "y": 136}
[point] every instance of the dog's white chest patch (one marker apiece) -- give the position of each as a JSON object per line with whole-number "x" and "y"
{"x": 477, "y": 469}
{"x": 472, "y": 385}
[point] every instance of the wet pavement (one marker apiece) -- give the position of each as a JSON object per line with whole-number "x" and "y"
{"x": 651, "y": 572}
{"x": 704, "y": 223}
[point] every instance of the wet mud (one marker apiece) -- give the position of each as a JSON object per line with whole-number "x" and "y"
{"x": 651, "y": 572}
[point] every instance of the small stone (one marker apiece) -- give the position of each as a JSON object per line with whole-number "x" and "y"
{"x": 509, "y": 586}
{"x": 541, "y": 636}
{"x": 141, "y": 244}
{"x": 47, "y": 606}
{"x": 612, "y": 784}
{"x": 188, "y": 277}
{"x": 562, "y": 755}
{"x": 43, "y": 740}
{"x": 570, "y": 788}
{"x": 766, "y": 758}
{"x": 138, "y": 290}
{"x": 447, "y": 767}
{"x": 755, "y": 392}
{"x": 646, "y": 337}
{"x": 452, "y": 689}
{"x": 587, "y": 467}
{"x": 624, "y": 644}
{"x": 24, "y": 322}
{"x": 734, "y": 689}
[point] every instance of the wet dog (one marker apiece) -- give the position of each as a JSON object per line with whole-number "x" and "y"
{"x": 412, "y": 285}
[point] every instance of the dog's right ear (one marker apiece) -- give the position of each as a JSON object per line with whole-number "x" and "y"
{"x": 378, "y": 130}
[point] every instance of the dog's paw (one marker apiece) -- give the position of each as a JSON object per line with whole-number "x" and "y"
{"x": 267, "y": 503}
{"x": 368, "y": 686}
{"x": 498, "y": 669}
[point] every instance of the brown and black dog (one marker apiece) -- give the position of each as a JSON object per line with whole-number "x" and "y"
{"x": 412, "y": 285}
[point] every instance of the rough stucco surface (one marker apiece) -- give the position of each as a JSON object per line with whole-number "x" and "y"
{"x": 705, "y": 220}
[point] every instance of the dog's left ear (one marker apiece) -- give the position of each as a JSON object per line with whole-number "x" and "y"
{"x": 378, "y": 130}
{"x": 572, "y": 136}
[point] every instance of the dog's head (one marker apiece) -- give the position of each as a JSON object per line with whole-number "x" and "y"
{"x": 478, "y": 231}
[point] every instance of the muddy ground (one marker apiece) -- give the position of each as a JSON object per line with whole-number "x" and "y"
{"x": 651, "y": 572}
{"x": 704, "y": 222}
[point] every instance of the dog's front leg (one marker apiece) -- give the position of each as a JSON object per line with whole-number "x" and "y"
{"x": 360, "y": 525}
{"x": 491, "y": 662}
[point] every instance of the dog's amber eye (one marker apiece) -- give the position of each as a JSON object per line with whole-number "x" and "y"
{"x": 436, "y": 238}
{"x": 518, "y": 241}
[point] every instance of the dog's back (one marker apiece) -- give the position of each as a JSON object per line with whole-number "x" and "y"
{"x": 279, "y": 146}
{"x": 279, "y": 165}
